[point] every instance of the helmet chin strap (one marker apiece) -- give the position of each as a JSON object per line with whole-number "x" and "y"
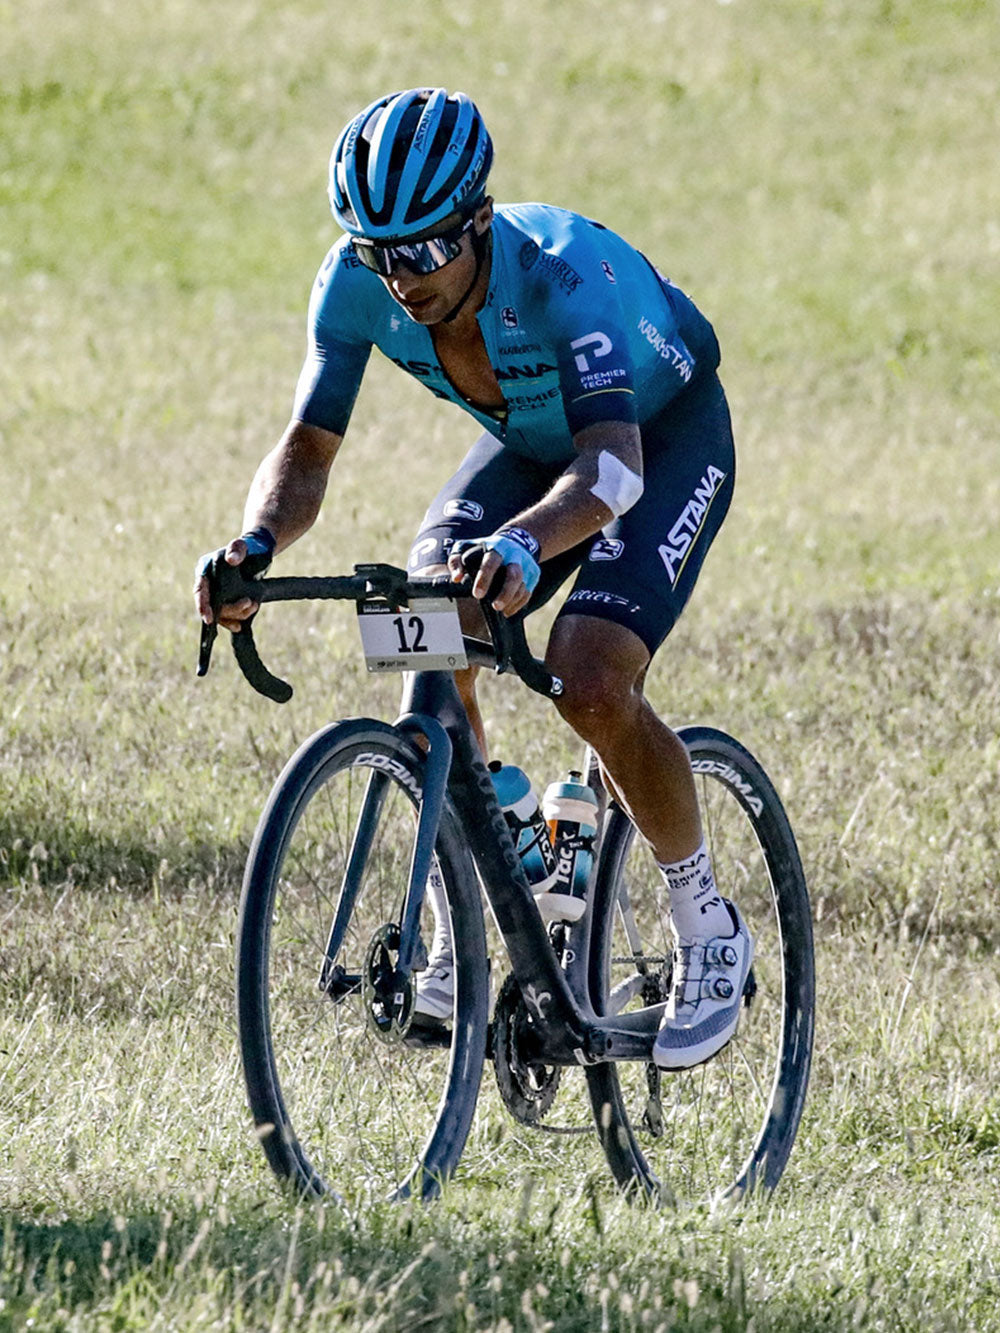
{"x": 482, "y": 244}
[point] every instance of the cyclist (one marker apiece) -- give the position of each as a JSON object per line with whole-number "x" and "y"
{"x": 606, "y": 453}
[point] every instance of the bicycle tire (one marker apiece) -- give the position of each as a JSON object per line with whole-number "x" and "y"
{"x": 724, "y": 1129}
{"x": 338, "y": 1108}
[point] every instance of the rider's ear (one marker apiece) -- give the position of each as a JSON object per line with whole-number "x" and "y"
{"x": 484, "y": 215}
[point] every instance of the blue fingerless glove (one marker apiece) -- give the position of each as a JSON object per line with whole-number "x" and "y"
{"x": 260, "y": 548}
{"x": 260, "y": 543}
{"x": 514, "y": 546}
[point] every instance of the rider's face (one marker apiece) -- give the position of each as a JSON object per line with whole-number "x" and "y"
{"x": 428, "y": 297}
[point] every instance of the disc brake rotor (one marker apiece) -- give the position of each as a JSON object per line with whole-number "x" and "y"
{"x": 388, "y": 1002}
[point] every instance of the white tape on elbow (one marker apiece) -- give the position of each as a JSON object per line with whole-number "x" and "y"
{"x": 617, "y": 486}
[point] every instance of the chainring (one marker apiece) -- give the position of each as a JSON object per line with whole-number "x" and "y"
{"x": 528, "y": 1089}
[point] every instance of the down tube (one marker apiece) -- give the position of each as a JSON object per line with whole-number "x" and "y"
{"x": 567, "y": 1033}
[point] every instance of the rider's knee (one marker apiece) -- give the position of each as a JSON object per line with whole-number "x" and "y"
{"x": 597, "y": 697}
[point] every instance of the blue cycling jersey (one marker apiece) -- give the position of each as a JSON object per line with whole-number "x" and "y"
{"x": 578, "y": 326}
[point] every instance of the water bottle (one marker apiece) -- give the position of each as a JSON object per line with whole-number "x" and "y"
{"x": 570, "y": 810}
{"x": 527, "y": 827}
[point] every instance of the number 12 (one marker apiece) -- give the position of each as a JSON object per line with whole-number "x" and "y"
{"x": 417, "y": 626}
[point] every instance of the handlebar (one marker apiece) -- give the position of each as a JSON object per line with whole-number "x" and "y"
{"x": 507, "y": 649}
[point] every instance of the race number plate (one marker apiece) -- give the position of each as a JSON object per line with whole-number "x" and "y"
{"x": 427, "y": 637}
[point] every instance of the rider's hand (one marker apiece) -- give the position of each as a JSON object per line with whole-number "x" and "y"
{"x": 509, "y": 548}
{"x": 254, "y": 549}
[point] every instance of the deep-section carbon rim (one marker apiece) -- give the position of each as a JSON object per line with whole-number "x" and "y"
{"x": 342, "y": 1103}
{"x": 725, "y": 1128}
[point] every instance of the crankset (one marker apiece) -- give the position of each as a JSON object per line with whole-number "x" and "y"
{"x": 528, "y": 1088}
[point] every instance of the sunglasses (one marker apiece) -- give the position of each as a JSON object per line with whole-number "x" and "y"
{"x": 420, "y": 257}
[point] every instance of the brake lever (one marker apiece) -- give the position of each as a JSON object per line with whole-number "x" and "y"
{"x": 507, "y": 633}
{"x": 205, "y": 646}
{"x": 227, "y": 583}
{"x": 499, "y": 627}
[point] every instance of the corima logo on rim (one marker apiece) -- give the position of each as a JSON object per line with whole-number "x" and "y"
{"x": 732, "y": 779}
{"x": 386, "y": 764}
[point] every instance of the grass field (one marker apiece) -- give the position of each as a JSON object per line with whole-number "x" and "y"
{"x": 821, "y": 176}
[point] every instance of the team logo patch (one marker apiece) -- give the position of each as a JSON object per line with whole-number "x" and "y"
{"x": 609, "y": 272}
{"x": 508, "y": 317}
{"x": 528, "y": 254}
{"x": 607, "y": 548}
{"x": 422, "y": 553}
{"x": 463, "y": 509}
{"x": 688, "y": 526}
{"x": 599, "y": 344}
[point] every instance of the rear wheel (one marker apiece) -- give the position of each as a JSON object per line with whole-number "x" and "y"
{"x": 349, "y": 1092}
{"x": 726, "y": 1127}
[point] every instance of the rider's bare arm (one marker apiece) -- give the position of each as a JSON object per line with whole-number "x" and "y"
{"x": 570, "y": 511}
{"x": 285, "y": 497}
{"x": 288, "y": 489}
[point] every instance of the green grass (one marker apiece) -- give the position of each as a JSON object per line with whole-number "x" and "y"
{"x": 821, "y": 177}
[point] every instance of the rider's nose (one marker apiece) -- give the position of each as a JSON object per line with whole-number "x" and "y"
{"x": 403, "y": 281}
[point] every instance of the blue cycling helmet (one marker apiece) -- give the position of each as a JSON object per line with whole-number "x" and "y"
{"x": 407, "y": 162}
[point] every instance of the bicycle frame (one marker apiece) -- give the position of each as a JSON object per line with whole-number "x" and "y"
{"x": 568, "y": 1030}
{"x": 545, "y": 1015}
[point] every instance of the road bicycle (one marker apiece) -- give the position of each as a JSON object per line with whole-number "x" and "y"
{"x": 356, "y": 1096}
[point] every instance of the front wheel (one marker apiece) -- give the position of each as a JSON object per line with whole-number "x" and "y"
{"x": 349, "y": 1092}
{"x": 724, "y": 1128}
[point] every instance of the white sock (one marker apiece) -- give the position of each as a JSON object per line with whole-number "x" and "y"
{"x": 434, "y": 896}
{"x": 696, "y": 905}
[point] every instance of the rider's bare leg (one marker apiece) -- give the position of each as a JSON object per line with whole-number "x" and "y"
{"x": 603, "y": 666}
{"x": 474, "y": 624}
{"x": 466, "y": 682}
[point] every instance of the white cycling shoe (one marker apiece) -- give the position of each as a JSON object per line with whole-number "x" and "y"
{"x": 435, "y": 989}
{"x": 434, "y": 984}
{"x": 706, "y": 994}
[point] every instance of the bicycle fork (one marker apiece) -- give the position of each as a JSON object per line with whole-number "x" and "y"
{"x": 437, "y": 766}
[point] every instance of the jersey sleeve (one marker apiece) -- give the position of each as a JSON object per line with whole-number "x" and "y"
{"x": 596, "y": 374}
{"x": 338, "y": 348}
